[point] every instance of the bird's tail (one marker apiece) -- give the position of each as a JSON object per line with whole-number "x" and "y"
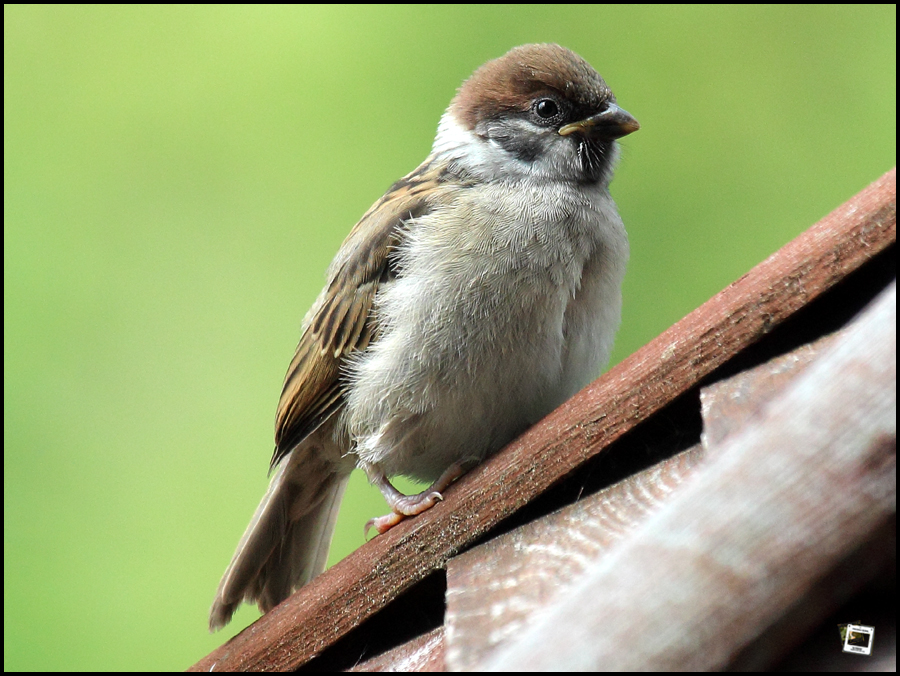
{"x": 287, "y": 542}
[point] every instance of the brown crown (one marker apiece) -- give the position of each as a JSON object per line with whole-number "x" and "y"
{"x": 512, "y": 82}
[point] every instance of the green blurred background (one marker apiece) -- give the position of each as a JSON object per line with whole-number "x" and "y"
{"x": 176, "y": 180}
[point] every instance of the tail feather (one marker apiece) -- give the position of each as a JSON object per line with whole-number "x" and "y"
{"x": 287, "y": 541}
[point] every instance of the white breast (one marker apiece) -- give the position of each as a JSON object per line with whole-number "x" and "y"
{"x": 507, "y": 303}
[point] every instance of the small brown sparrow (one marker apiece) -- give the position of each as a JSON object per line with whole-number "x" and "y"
{"x": 479, "y": 293}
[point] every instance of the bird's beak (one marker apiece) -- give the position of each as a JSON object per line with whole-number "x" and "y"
{"x": 612, "y": 123}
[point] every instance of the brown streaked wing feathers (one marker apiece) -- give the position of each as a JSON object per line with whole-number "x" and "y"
{"x": 313, "y": 388}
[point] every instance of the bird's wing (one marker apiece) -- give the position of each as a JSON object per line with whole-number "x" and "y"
{"x": 342, "y": 321}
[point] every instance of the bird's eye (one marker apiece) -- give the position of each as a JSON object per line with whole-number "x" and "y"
{"x": 546, "y": 109}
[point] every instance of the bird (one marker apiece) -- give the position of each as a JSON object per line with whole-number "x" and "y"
{"x": 477, "y": 294}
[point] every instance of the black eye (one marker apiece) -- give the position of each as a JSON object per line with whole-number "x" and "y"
{"x": 546, "y": 109}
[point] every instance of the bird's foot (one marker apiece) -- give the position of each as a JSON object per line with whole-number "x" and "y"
{"x": 402, "y": 505}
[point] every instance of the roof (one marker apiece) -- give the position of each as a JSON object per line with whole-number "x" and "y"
{"x": 690, "y": 509}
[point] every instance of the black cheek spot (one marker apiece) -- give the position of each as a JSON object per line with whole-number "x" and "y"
{"x": 522, "y": 148}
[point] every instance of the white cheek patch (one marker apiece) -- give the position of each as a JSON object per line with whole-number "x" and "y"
{"x": 451, "y": 136}
{"x": 484, "y": 158}
{"x": 489, "y": 161}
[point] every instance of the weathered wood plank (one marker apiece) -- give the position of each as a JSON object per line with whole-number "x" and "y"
{"x": 801, "y": 486}
{"x": 357, "y": 587}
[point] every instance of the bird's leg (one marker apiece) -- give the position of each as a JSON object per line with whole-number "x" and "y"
{"x": 409, "y": 505}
